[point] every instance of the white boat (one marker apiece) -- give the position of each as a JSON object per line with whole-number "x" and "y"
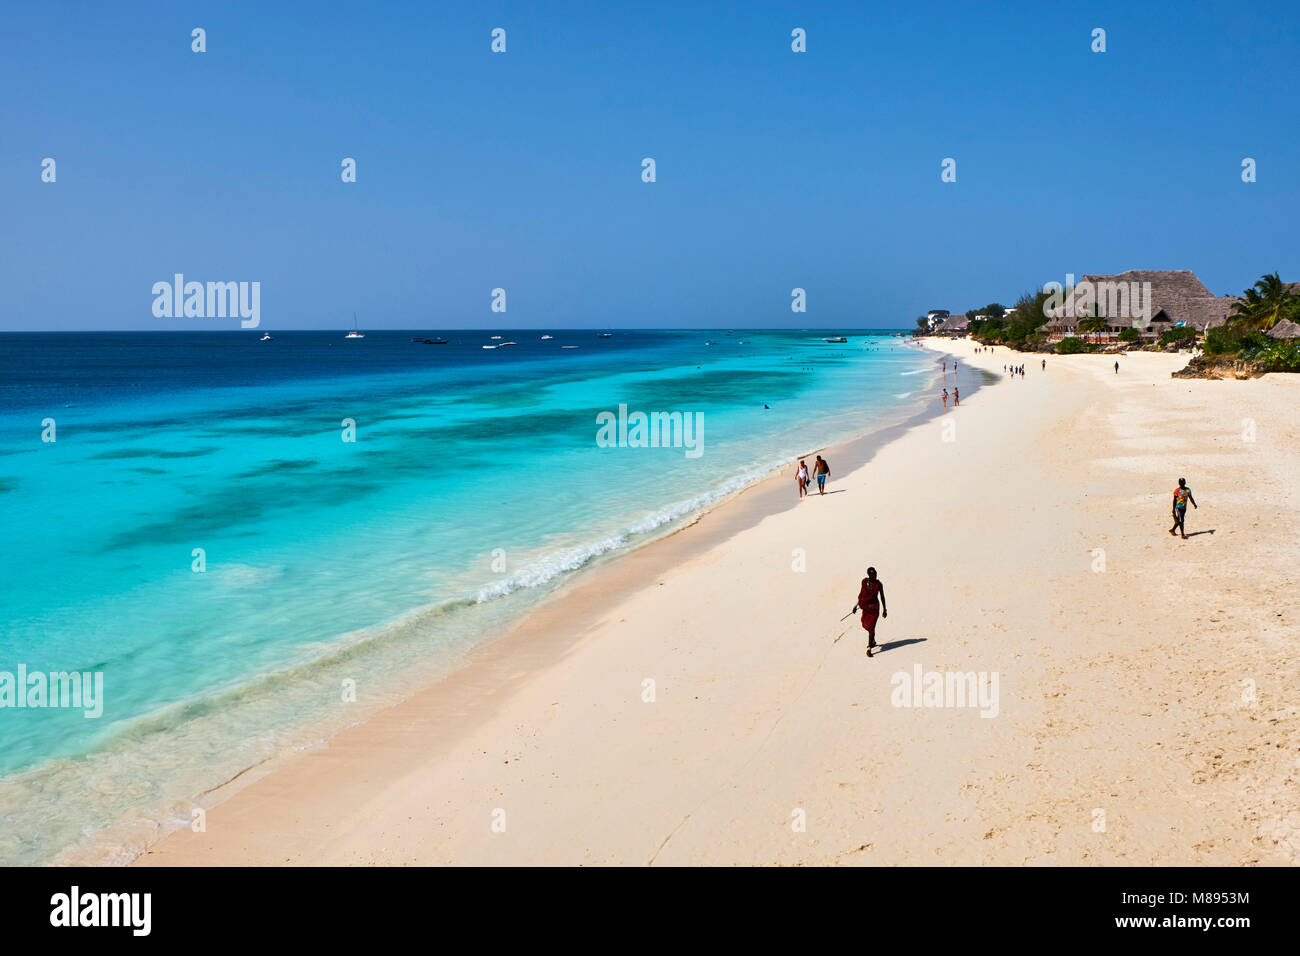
{"x": 496, "y": 337}
{"x": 504, "y": 344}
{"x": 356, "y": 333}
{"x": 489, "y": 346}
{"x": 545, "y": 337}
{"x": 604, "y": 335}
{"x": 266, "y": 337}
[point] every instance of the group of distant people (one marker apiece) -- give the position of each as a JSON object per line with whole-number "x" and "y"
{"x": 956, "y": 392}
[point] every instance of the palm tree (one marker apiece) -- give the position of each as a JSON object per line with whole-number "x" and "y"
{"x": 1292, "y": 310}
{"x": 1264, "y": 304}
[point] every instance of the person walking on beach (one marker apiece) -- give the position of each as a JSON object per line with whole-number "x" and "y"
{"x": 801, "y": 478}
{"x": 956, "y": 396}
{"x": 1044, "y": 365}
{"x": 945, "y": 399}
{"x": 822, "y": 471}
{"x": 1182, "y": 495}
{"x": 871, "y": 601}
{"x": 1116, "y": 366}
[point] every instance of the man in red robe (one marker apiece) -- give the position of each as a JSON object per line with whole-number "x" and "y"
{"x": 871, "y": 599}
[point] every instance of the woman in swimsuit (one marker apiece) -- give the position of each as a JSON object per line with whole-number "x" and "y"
{"x": 871, "y": 599}
{"x": 801, "y": 478}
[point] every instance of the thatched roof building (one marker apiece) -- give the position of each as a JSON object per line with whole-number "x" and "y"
{"x": 1149, "y": 300}
{"x": 1286, "y": 329}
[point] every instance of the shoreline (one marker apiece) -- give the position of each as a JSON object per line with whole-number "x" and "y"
{"x": 739, "y": 509}
{"x": 1113, "y": 709}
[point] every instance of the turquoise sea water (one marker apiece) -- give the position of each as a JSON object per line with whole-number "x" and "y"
{"x": 475, "y": 486}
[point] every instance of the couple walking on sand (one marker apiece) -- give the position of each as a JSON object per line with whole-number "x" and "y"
{"x": 821, "y": 471}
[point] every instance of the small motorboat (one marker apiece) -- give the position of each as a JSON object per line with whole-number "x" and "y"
{"x": 545, "y": 337}
{"x": 489, "y": 346}
{"x": 496, "y": 337}
{"x": 838, "y": 340}
{"x": 570, "y": 346}
{"x": 504, "y": 344}
{"x": 266, "y": 337}
{"x": 436, "y": 342}
{"x": 604, "y": 335}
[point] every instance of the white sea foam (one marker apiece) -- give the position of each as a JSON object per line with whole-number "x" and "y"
{"x": 551, "y": 566}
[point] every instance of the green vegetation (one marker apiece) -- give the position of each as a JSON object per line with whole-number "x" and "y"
{"x": 1180, "y": 335}
{"x": 1262, "y": 306}
{"x": 1282, "y": 357}
{"x": 1265, "y": 304}
{"x": 1231, "y": 339}
{"x": 1018, "y": 329}
{"x": 993, "y": 310}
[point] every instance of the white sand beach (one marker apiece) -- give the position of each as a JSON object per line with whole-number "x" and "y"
{"x": 1147, "y": 709}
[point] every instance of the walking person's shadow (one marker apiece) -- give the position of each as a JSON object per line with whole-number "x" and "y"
{"x": 893, "y": 644}
{"x": 1195, "y": 533}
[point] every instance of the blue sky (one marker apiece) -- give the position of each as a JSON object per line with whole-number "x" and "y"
{"x": 522, "y": 170}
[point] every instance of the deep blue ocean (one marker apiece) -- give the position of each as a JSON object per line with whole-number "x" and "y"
{"x": 202, "y": 532}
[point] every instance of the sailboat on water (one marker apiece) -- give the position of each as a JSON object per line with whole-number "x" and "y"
{"x": 356, "y": 333}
